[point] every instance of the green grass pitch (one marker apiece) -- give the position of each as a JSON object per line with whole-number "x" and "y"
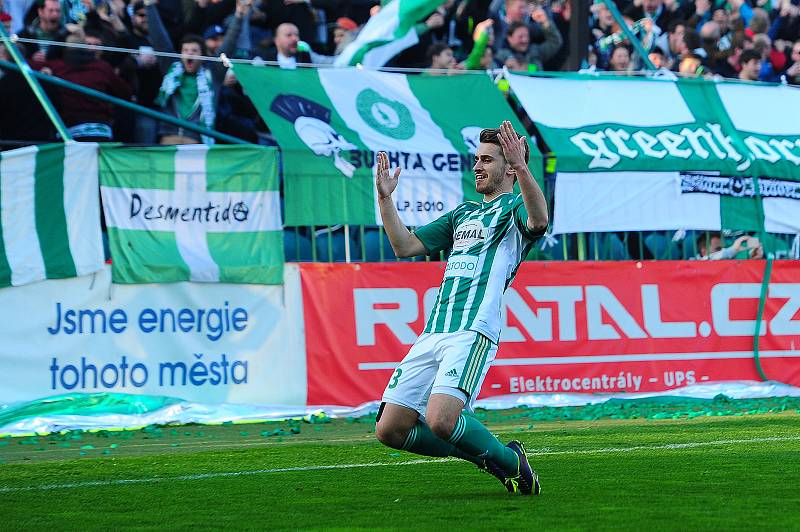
{"x": 705, "y": 473}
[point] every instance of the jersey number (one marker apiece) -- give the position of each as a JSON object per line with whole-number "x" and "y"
{"x": 395, "y": 377}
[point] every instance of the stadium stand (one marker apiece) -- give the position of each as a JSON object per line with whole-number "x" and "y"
{"x": 705, "y": 38}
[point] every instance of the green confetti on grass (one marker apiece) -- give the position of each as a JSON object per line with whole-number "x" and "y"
{"x": 114, "y": 445}
{"x": 244, "y": 433}
{"x": 66, "y": 445}
{"x": 295, "y": 430}
{"x": 87, "y": 446}
{"x": 106, "y": 452}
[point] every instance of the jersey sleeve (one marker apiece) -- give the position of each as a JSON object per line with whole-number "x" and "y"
{"x": 437, "y": 235}
{"x": 521, "y": 220}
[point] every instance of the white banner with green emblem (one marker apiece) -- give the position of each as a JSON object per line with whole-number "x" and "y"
{"x": 330, "y": 123}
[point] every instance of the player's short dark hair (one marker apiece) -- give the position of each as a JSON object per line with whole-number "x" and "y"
{"x": 435, "y": 49}
{"x": 491, "y": 136}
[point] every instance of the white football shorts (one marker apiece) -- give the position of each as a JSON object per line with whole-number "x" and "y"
{"x": 441, "y": 361}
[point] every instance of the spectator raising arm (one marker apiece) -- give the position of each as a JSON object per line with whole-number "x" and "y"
{"x": 158, "y": 35}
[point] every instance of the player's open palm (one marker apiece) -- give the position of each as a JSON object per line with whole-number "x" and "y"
{"x": 513, "y": 147}
{"x": 385, "y": 181}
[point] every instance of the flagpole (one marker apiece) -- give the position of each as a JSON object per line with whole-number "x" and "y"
{"x": 635, "y": 42}
{"x": 25, "y": 70}
{"x": 347, "y": 243}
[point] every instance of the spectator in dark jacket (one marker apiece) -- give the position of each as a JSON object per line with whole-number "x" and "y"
{"x": 87, "y": 119}
{"x": 22, "y": 117}
{"x": 148, "y": 75}
{"x": 519, "y": 53}
{"x": 284, "y": 50}
{"x": 46, "y": 26}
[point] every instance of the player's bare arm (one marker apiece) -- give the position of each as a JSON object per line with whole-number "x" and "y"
{"x": 404, "y": 243}
{"x": 532, "y": 196}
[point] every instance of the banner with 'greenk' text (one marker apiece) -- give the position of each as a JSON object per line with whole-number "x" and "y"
{"x": 193, "y": 213}
{"x": 639, "y": 154}
{"x": 330, "y": 123}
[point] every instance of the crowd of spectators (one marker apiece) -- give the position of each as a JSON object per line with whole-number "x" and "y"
{"x": 746, "y": 39}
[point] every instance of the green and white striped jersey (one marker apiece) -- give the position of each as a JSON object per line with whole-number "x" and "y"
{"x": 488, "y": 241}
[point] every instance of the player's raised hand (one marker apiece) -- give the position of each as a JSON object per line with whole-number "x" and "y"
{"x": 385, "y": 182}
{"x": 513, "y": 147}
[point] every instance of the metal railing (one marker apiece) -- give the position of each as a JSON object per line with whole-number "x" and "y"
{"x": 370, "y": 244}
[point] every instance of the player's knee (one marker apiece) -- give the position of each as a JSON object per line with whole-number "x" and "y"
{"x": 390, "y": 435}
{"x": 442, "y": 426}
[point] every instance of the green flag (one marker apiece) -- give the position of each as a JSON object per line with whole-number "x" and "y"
{"x": 388, "y": 33}
{"x": 638, "y": 154}
{"x": 193, "y": 213}
{"x": 331, "y": 122}
{"x": 49, "y": 213}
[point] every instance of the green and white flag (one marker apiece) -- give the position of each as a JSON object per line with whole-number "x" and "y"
{"x": 49, "y": 213}
{"x": 638, "y": 154}
{"x": 330, "y": 123}
{"x": 193, "y": 213}
{"x": 388, "y": 33}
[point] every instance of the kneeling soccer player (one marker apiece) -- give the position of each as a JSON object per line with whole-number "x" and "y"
{"x": 442, "y": 374}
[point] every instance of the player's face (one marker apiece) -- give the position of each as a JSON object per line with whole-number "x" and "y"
{"x": 490, "y": 169}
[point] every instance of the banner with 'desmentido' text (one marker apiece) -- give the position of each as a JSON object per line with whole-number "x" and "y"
{"x": 610, "y": 327}
{"x": 206, "y": 343}
{"x": 193, "y": 213}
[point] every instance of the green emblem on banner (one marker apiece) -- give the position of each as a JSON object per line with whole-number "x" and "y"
{"x": 385, "y": 116}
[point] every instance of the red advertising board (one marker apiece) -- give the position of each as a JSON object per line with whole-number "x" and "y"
{"x": 569, "y": 327}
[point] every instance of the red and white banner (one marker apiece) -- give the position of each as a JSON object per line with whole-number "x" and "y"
{"x": 588, "y": 327}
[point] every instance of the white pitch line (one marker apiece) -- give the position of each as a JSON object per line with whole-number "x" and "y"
{"x": 538, "y": 452}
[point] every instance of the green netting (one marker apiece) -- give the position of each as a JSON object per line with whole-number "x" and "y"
{"x": 85, "y": 404}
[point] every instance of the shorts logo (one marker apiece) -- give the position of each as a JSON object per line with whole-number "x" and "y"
{"x": 468, "y": 234}
{"x": 461, "y": 266}
{"x": 451, "y": 373}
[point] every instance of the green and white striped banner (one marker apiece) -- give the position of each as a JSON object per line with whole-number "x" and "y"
{"x": 639, "y": 154}
{"x": 330, "y": 123}
{"x": 49, "y": 213}
{"x": 193, "y": 213}
{"x": 388, "y": 33}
